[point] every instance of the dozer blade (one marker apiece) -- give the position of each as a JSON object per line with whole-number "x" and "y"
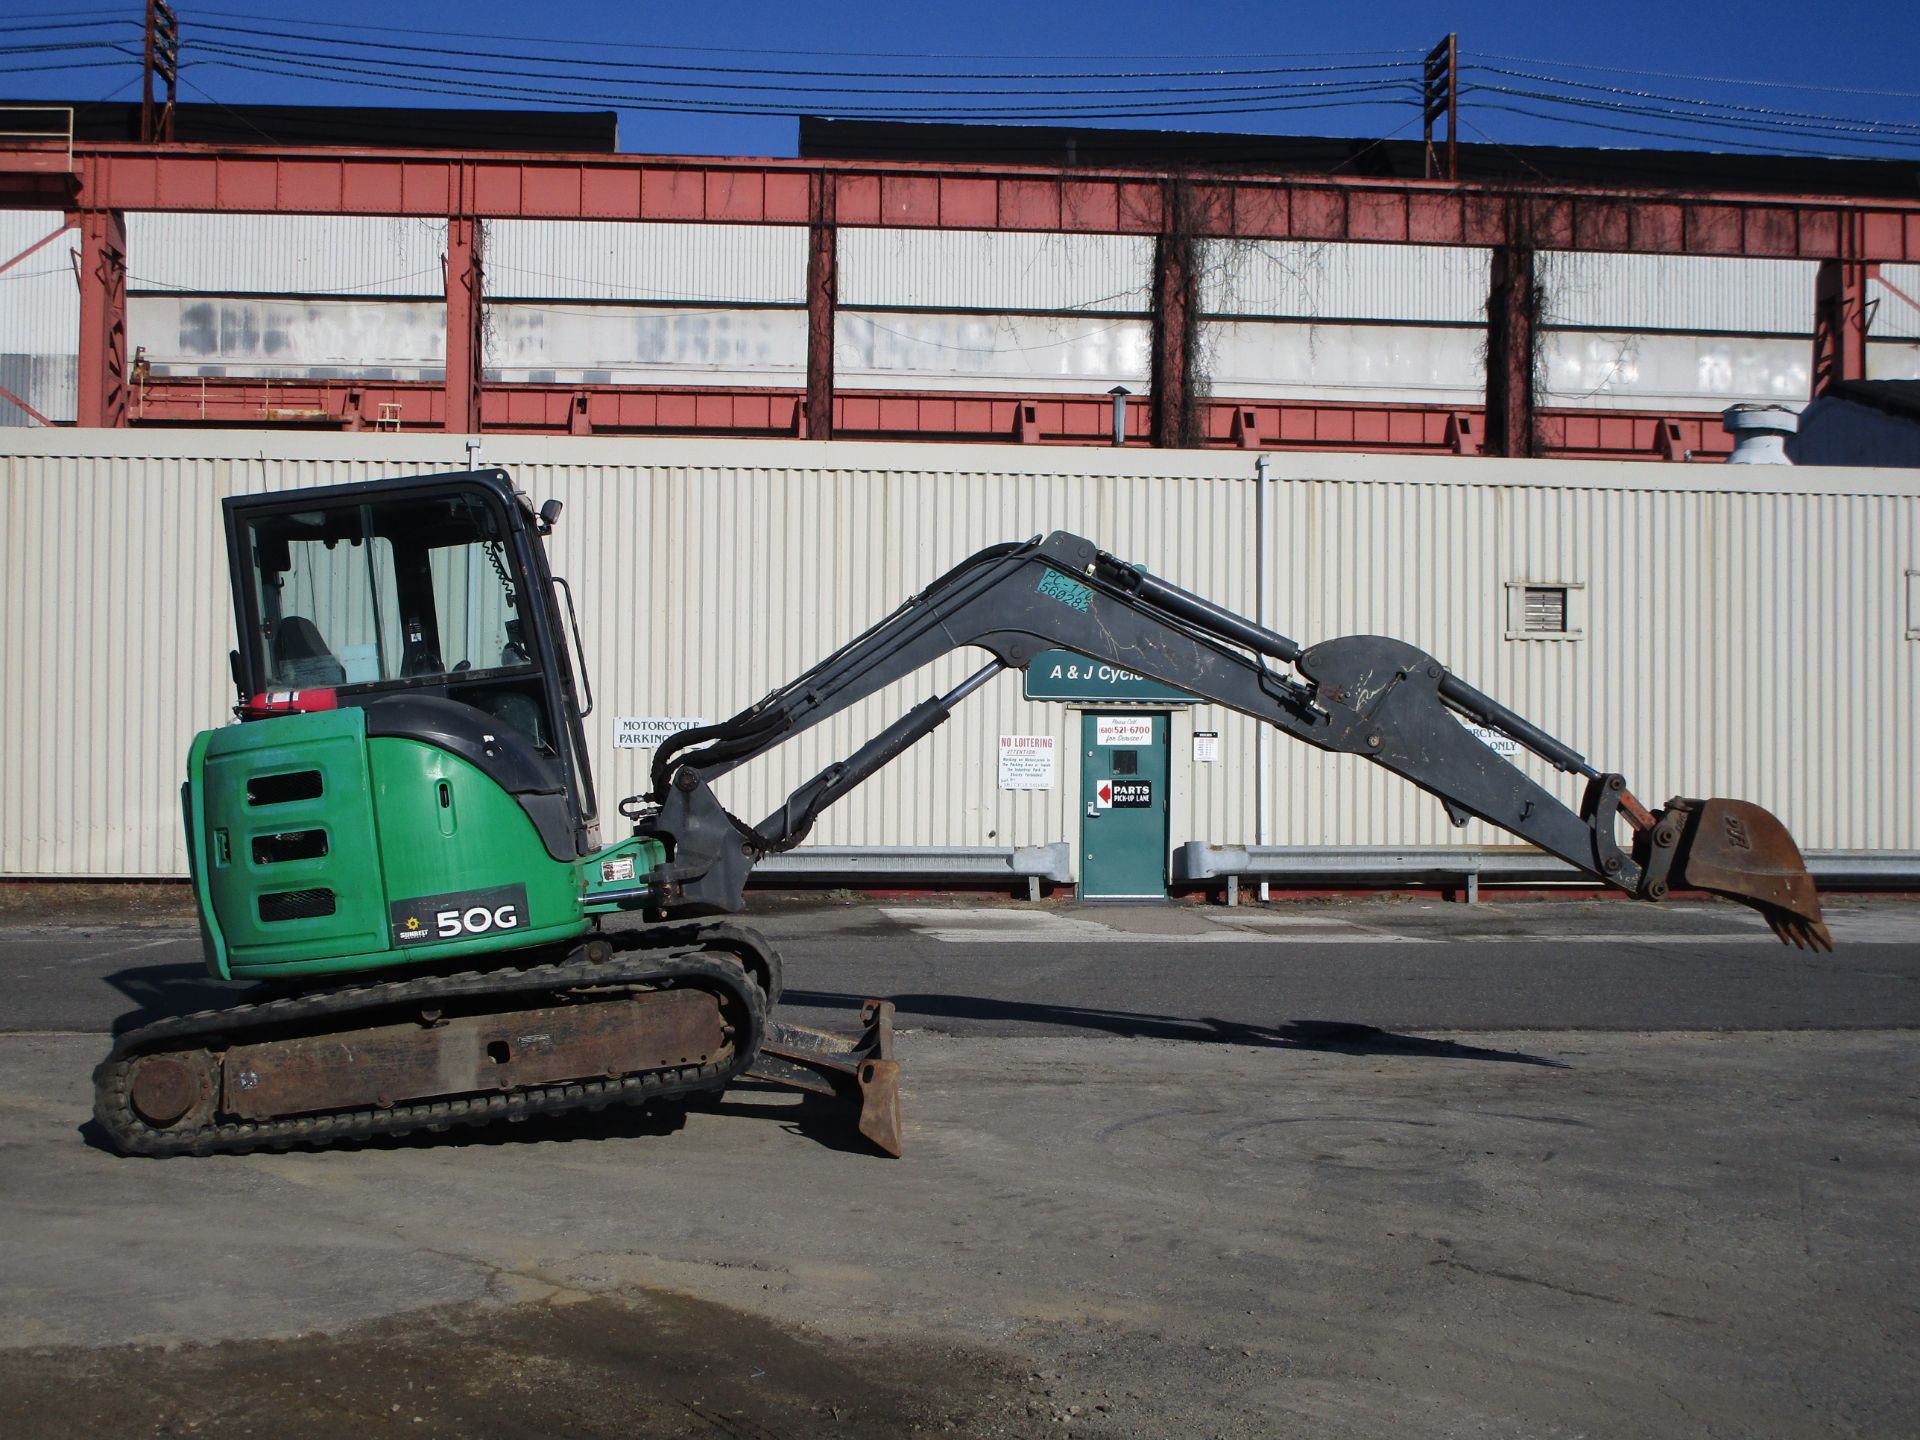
{"x": 860, "y": 1073}
{"x": 1732, "y": 848}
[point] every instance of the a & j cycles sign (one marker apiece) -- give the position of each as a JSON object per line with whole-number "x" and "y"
{"x": 1063, "y": 675}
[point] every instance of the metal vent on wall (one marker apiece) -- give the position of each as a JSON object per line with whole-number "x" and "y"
{"x": 1542, "y": 610}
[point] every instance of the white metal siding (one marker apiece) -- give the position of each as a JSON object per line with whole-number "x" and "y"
{"x": 627, "y": 344}
{"x": 244, "y": 335}
{"x": 39, "y": 317}
{"x": 646, "y": 261}
{"x": 1895, "y": 317}
{"x": 995, "y": 270}
{"x": 1278, "y": 359}
{"x": 1327, "y": 280}
{"x": 1893, "y": 360}
{"x": 1608, "y": 369}
{"x": 286, "y": 255}
{"x": 1721, "y": 615}
{"x": 1676, "y": 292}
{"x": 1077, "y": 354}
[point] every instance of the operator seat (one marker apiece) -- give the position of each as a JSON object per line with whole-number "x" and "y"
{"x": 301, "y": 658}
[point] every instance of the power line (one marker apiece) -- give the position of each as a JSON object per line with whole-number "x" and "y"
{"x": 1704, "y": 79}
{"x": 306, "y": 69}
{"x": 1688, "y": 140}
{"x": 12, "y": 27}
{"x": 1675, "y": 117}
{"x": 59, "y": 46}
{"x": 1846, "y": 121}
{"x": 598, "y": 44}
{"x": 383, "y": 48}
{"x": 69, "y": 65}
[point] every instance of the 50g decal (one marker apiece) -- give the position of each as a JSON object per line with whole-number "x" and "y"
{"x": 460, "y": 915}
{"x": 450, "y": 924}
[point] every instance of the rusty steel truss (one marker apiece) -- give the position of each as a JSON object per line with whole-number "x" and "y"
{"x": 96, "y": 184}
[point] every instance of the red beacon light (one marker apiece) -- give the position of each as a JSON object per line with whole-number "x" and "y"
{"x": 270, "y": 703}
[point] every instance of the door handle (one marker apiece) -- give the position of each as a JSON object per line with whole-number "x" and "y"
{"x": 1093, "y": 810}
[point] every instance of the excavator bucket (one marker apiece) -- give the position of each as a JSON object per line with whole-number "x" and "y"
{"x": 860, "y": 1073}
{"x": 1732, "y": 848}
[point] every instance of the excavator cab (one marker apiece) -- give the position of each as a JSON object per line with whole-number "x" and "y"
{"x": 426, "y": 753}
{"x": 427, "y": 589}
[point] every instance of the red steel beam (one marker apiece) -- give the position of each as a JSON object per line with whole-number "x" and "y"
{"x": 895, "y": 415}
{"x": 823, "y": 297}
{"x": 120, "y": 176}
{"x": 1840, "y": 323}
{"x": 101, "y": 398}
{"x": 465, "y": 327}
{"x": 1176, "y": 311}
{"x": 1512, "y": 312}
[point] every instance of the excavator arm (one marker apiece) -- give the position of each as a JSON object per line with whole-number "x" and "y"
{"x": 1367, "y": 695}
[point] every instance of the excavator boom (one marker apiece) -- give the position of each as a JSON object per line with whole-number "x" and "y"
{"x": 1367, "y": 695}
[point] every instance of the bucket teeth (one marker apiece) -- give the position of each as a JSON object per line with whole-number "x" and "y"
{"x": 1800, "y": 933}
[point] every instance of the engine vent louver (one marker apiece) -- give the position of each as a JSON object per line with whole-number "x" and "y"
{"x": 296, "y": 904}
{"x": 283, "y": 789}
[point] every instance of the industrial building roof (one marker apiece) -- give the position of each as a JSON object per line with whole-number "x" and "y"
{"x": 380, "y": 127}
{"x": 1055, "y": 146}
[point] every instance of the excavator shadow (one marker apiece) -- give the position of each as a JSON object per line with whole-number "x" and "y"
{"x": 1338, "y": 1037}
{"x": 159, "y": 992}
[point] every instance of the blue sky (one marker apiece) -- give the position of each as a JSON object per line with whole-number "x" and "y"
{"x": 1347, "y": 69}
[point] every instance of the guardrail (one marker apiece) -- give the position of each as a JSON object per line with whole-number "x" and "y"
{"x": 1198, "y": 863}
{"x": 920, "y": 864}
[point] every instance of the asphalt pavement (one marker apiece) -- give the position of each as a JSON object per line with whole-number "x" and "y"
{"x": 1171, "y": 971}
{"x": 1516, "y": 1169}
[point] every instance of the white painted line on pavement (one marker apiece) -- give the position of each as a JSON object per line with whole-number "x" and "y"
{"x": 998, "y": 926}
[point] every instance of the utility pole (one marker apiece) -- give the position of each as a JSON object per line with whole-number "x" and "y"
{"x": 162, "y": 60}
{"x": 1440, "y": 96}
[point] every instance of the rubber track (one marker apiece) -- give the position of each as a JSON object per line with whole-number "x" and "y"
{"x": 742, "y": 997}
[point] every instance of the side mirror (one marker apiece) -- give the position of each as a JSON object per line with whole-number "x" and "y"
{"x": 550, "y": 512}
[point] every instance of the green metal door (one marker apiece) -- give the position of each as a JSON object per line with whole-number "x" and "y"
{"x": 1123, "y": 806}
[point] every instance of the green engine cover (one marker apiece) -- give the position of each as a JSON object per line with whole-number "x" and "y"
{"x": 317, "y": 850}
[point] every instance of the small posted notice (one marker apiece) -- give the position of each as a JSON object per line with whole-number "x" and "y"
{"x": 1134, "y": 730}
{"x": 1026, "y": 762}
{"x": 1206, "y": 747}
{"x": 645, "y": 732}
{"x": 1502, "y": 745}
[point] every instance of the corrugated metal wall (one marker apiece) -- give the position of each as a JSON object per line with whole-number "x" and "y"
{"x": 39, "y": 318}
{"x": 286, "y": 255}
{"x": 292, "y": 339}
{"x": 1322, "y": 280}
{"x": 664, "y": 303}
{"x": 1311, "y": 320}
{"x": 1893, "y": 336}
{"x": 995, "y": 270}
{"x": 1743, "y": 634}
{"x": 1674, "y": 331}
{"x": 646, "y": 263}
{"x": 992, "y": 310}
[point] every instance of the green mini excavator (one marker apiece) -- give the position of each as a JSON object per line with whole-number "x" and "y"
{"x": 400, "y": 833}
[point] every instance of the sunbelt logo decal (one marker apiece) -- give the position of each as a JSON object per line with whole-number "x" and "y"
{"x": 459, "y": 915}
